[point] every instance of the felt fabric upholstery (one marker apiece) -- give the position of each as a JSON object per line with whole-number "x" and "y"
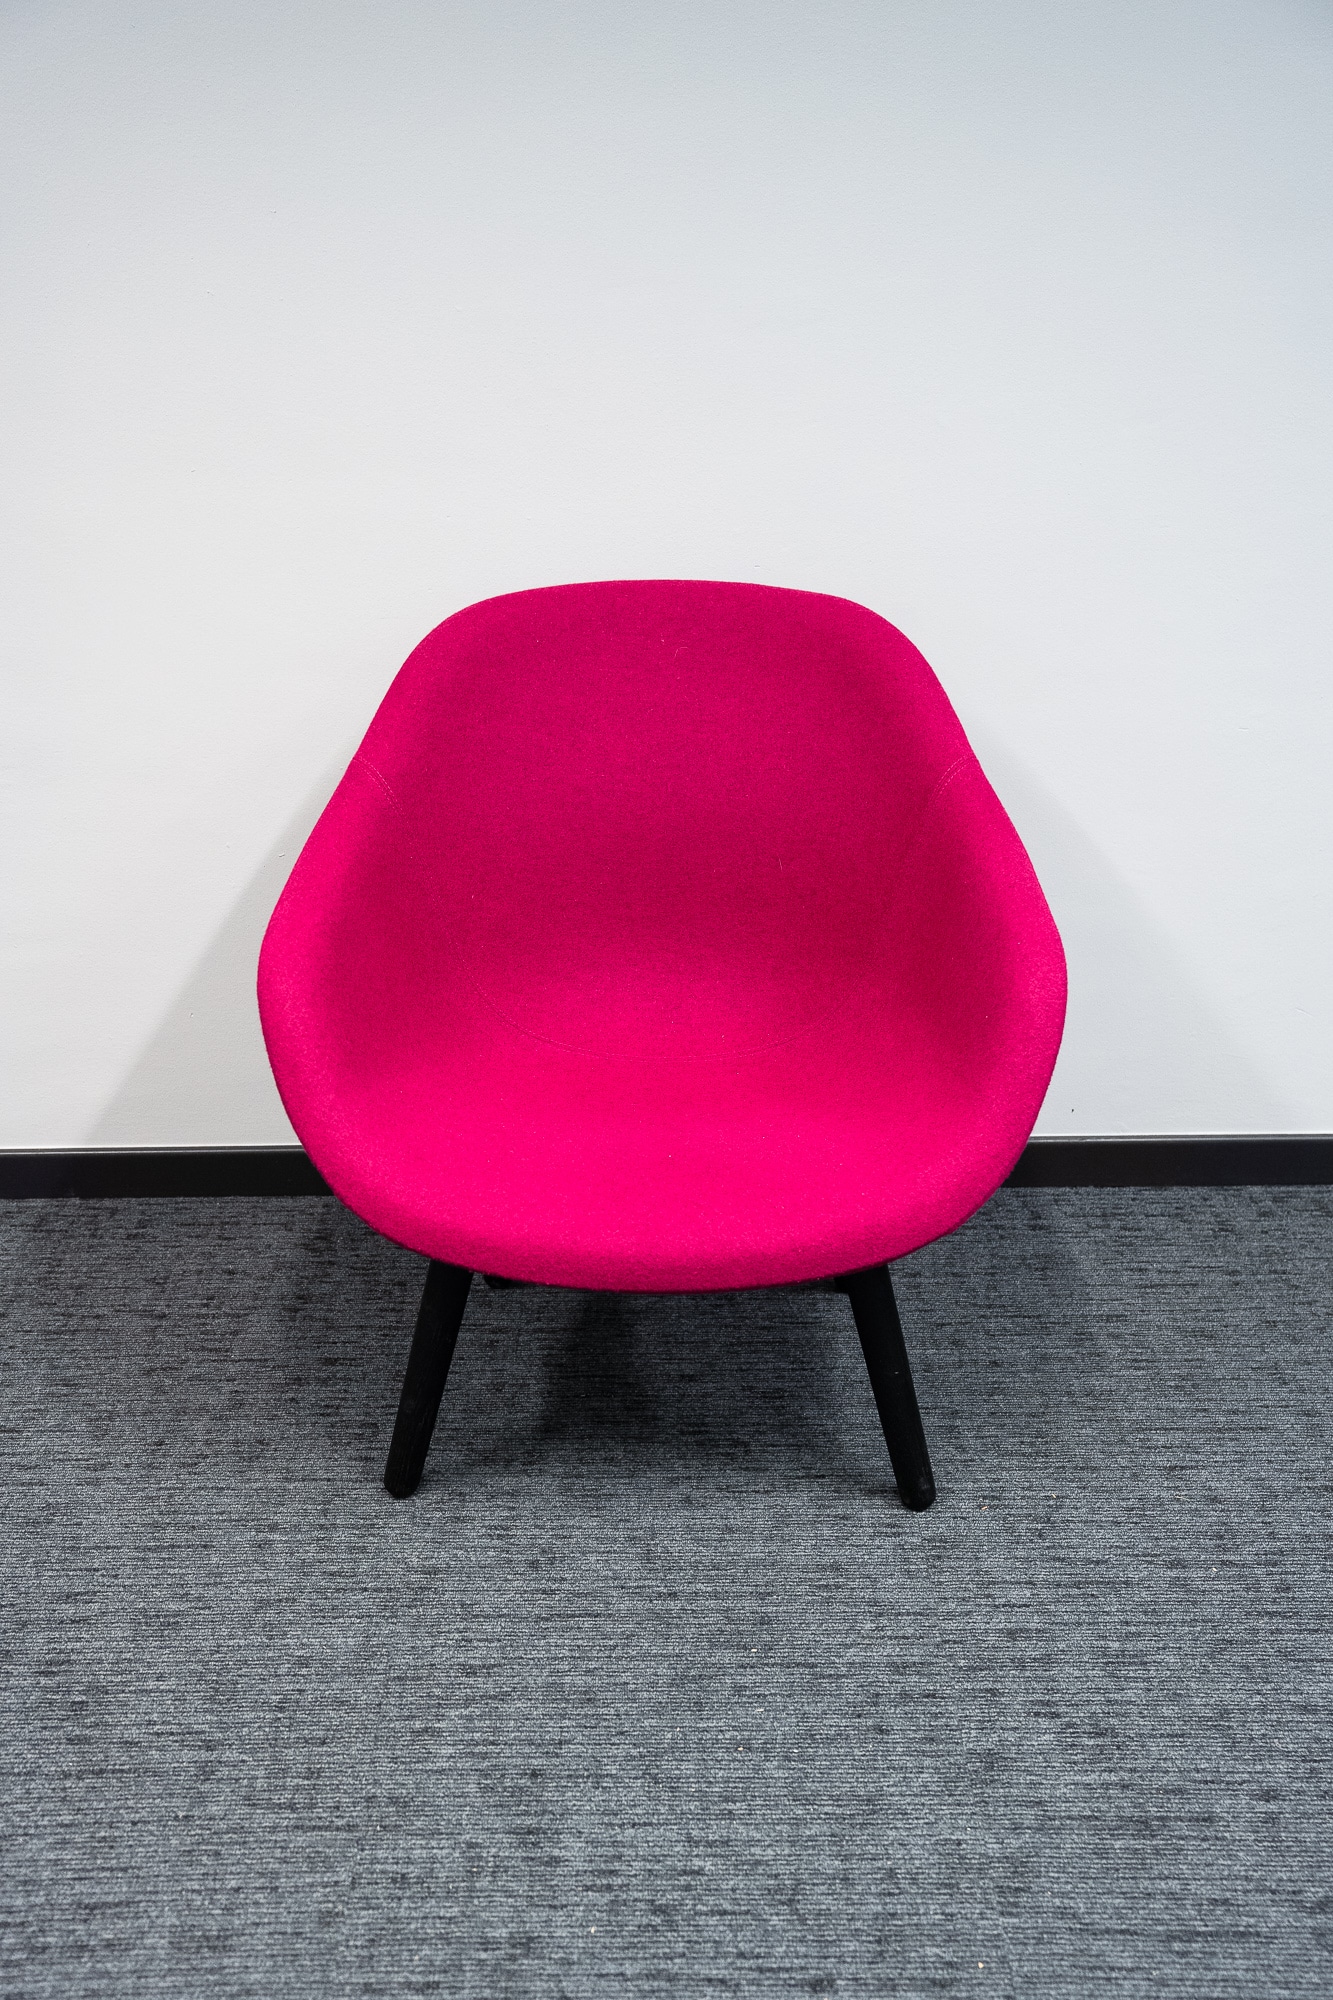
{"x": 663, "y": 936}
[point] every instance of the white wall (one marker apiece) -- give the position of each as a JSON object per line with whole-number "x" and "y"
{"x": 322, "y": 319}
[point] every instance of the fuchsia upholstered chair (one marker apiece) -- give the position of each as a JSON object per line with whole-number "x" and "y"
{"x": 663, "y": 937}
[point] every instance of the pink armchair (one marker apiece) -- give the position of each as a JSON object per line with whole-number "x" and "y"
{"x": 663, "y": 936}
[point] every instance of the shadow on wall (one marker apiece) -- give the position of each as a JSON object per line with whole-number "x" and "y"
{"x": 204, "y": 1079}
{"x": 1143, "y": 1050}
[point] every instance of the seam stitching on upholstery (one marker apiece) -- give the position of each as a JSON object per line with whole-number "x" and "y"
{"x": 946, "y": 777}
{"x": 941, "y": 784}
{"x": 381, "y": 781}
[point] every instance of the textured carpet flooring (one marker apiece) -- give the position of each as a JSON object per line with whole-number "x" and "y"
{"x": 654, "y": 1688}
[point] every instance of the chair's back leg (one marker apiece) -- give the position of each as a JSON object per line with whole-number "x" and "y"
{"x": 876, "y": 1313}
{"x": 442, "y": 1306}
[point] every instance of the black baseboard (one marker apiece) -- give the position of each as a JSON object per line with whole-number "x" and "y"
{"x": 1282, "y": 1159}
{"x": 103, "y": 1173}
{"x": 1289, "y": 1159}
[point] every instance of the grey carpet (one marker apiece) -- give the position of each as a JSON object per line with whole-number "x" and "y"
{"x": 654, "y": 1688}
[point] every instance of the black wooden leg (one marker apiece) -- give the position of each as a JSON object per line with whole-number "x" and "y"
{"x": 442, "y": 1306}
{"x": 876, "y": 1313}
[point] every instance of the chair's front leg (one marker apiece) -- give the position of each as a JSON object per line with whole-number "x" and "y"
{"x": 442, "y": 1306}
{"x": 876, "y": 1313}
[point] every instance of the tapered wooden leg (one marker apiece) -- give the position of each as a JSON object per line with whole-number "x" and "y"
{"x": 876, "y": 1313}
{"x": 442, "y": 1306}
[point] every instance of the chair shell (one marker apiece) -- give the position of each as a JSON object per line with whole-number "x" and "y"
{"x": 663, "y": 936}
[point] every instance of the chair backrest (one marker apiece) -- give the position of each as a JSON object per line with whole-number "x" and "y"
{"x": 663, "y": 813}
